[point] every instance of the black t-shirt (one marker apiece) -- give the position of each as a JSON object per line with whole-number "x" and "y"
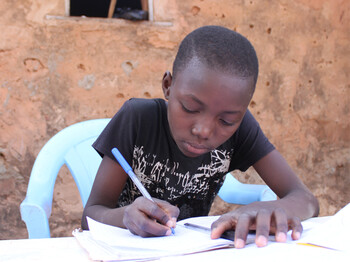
{"x": 140, "y": 131}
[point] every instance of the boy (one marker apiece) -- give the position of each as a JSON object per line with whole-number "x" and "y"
{"x": 181, "y": 149}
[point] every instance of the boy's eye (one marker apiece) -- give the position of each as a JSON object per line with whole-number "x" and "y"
{"x": 225, "y": 123}
{"x": 187, "y": 110}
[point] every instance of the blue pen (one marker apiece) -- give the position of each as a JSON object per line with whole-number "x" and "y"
{"x": 127, "y": 168}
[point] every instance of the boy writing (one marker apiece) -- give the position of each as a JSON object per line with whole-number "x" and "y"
{"x": 182, "y": 148}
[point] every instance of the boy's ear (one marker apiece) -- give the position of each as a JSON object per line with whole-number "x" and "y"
{"x": 166, "y": 84}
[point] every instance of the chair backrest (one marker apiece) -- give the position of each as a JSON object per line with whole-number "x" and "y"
{"x": 71, "y": 146}
{"x": 234, "y": 192}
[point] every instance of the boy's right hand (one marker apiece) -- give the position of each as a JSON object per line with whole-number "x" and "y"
{"x": 148, "y": 219}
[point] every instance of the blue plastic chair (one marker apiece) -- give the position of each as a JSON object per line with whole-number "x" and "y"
{"x": 234, "y": 192}
{"x": 72, "y": 147}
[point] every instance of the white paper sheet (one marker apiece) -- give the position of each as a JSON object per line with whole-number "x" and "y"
{"x": 334, "y": 233}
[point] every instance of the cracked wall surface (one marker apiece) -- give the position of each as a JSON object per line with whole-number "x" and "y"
{"x": 56, "y": 71}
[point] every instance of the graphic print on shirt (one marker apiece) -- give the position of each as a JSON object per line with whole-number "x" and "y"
{"x": 167, "y": 180}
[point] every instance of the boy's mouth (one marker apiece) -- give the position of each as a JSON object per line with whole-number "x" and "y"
{"x": 196, "y": 149}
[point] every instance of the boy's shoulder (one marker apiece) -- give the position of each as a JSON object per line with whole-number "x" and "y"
{"x": 144, "y": 108}
{"x": 249, "y": 127}
{"x": 145, "y": 103}
{"x": 249, "y": 121}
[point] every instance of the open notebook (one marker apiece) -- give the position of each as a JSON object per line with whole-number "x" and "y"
{"x": 105, "y": 242}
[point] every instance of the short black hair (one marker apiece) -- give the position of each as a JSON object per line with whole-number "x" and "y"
{"x": 220, "y": 49}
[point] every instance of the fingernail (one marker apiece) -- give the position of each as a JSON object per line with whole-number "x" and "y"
{"x": 170, "y": 223}
{"x": 261, "y": 241}
{"x": 168, "y": 232}
{"x": 296, "y": 235}
{"x": 239, "y": 243}
{"x": 281, "y": 237}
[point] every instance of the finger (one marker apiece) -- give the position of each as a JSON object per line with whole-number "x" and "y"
{"x": 131, "y": 226}
{"x": 142, "y": 225}
{"x": 161, "y": 218}
{"x": 242, "y": 229}
{"x": 263, "y": 221}
{"x": 297, "y": 228}
{"x": 172, "y": 211}
{"x": 281, "y": 224}
{"x": 129, "y": 222}
{"x": 141, "y": 218}
{"x": 152, "y": 209}
{"x": 225, "y": 222}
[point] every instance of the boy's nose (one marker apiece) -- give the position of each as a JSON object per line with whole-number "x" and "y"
{"x": 203, "y": 130}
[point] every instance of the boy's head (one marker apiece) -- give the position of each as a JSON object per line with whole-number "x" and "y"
{"x": 214, "y": 77}
{"x": 220, "y": 49}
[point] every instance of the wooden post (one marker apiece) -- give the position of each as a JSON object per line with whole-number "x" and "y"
{"x": 150, "y": 10}
{"x": 111, "y": 8}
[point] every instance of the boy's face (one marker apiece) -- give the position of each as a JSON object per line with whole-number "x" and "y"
{"x": 205, "y": 107}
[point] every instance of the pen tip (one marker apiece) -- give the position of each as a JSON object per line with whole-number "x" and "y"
{"x": 172, "y": 231}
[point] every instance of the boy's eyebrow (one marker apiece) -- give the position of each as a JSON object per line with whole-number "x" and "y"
{"x": 195, "y": 99}
{"x": 202, "y": 104}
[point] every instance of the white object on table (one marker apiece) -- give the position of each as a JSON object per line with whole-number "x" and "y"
{"x": 68, "y": 249}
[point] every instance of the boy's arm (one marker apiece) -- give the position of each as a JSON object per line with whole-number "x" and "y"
{"x": 108, "y": 185}
{"x": 296, "y": 203}
{"x": 101, "y": 205}
{"x": 279, "y": 176}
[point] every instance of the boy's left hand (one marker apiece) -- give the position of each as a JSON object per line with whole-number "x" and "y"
{"x": 264, "y": 217}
